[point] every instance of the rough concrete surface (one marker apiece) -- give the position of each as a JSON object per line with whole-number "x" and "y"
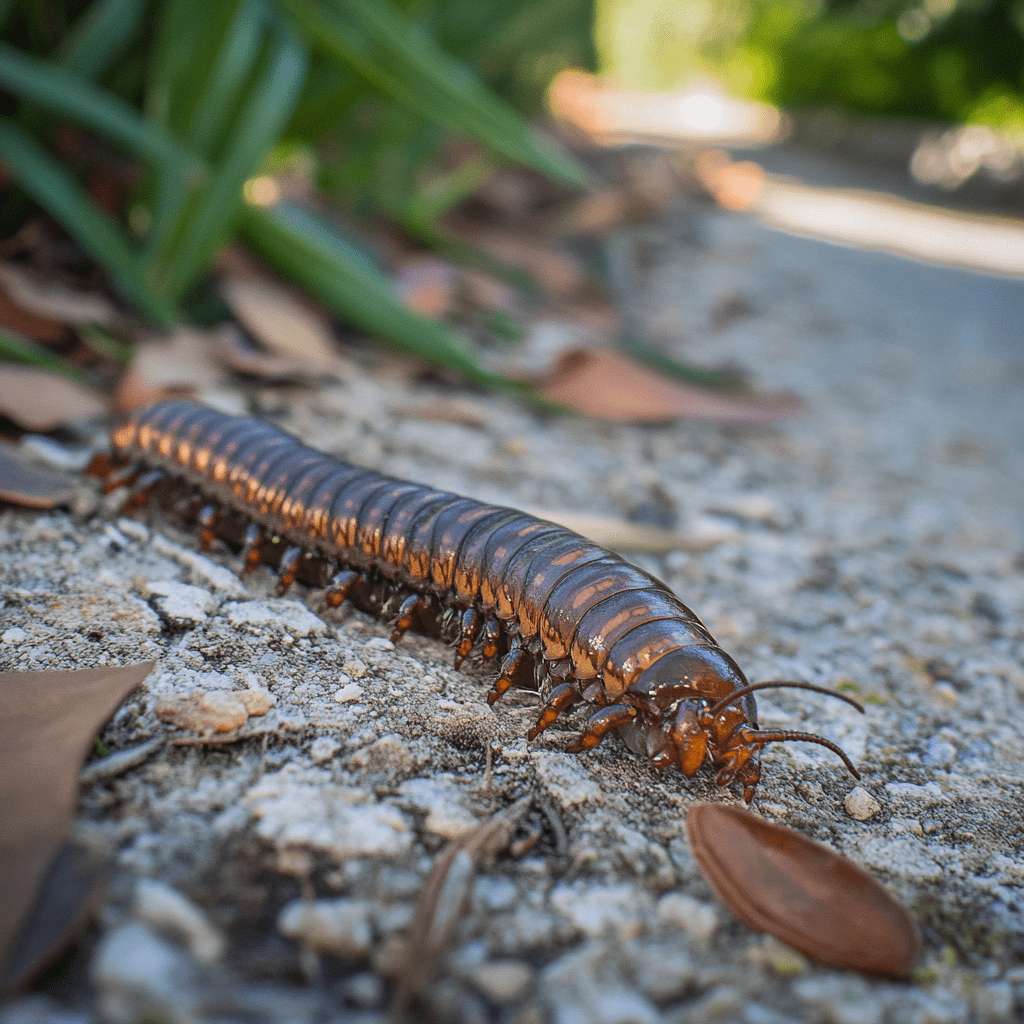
{"x": 875, "y": 539}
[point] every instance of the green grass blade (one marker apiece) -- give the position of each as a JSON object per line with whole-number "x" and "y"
{"x": 231, "y": 69}
{"x": 16, "y": 349}
{"x": 100, "y": 34}
{"x": 64, "y": 92}
{"x": 405, "y": 64}
{"x": 309, "y": 252}
{"x": 260, "y": 121}
{"x": 57, "y": 192}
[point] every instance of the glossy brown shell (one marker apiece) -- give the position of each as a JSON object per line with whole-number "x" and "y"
{"x": 812, "y": 898}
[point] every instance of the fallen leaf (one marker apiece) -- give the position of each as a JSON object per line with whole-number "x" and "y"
{"x": 31, "y": 486}
{"x": 427, "y": 286}
{"x": 277, "y": 319}
{"x": 808, "y": 896}
{"x": 446, "y": 410}
{"x": 212, "y": 711}
{"x": 15, "y": 317}
{"x": 47, "y": 728}
{"x": 39, "y": 400}
{"x": 621, "y": 534}
{"x": 611, "y": 386}
{"x": 443, "y": 899}
{"x": 179, "y": 361}
{"x": 56, "y": 302}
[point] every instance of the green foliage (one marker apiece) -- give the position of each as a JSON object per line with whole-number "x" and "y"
{"x": 205, "y": 97}
{"x": 956, "y": 60}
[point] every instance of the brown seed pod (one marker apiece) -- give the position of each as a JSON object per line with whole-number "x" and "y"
{"x": 812, "y": 898}
{"x": 545, "y": 602}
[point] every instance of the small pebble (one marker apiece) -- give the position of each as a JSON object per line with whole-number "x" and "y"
{"x": 501, "y": 981}
{"x": 860, "y": 804}
{"x": 348, "y": 693}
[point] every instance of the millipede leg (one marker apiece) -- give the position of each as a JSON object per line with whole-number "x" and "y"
{"x": 469, "y": 628}
{"x": 406, "y": 613}
{"x": 563, "y": 696}
{"x": 251, "y": 541}
{"x": 339, "y": 587}
{"x": 141, "y": 489}
{"x": 506, "y": 674}
{"x": 288, "y": 568}
{"x": 492, "y": 636}
{"x": 207, "y": 518}
{"x": 598, "y": 724}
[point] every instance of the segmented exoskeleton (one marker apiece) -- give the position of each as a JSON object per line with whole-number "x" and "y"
{"x": 595, "y": 628}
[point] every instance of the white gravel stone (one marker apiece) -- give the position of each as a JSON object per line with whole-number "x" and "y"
{"x": 139, "y": 976}
{"x": 303, "y": 807}
{"x": 277, "y": 614}
{"x": 698, "y": 919}
{"x": 619, "y": 909}
{"x": 860, "y": 804}
{"x": 342, "y": 926}
{"x": 323, "y": 748}
{"x": 180, "y": 602}
{"x": 163, "y": 908}
{"x": 565, "y": 781}
{"x": 14, "y": 635}
{"x": 348, "y": 693}
{"x": 444, "y": 803}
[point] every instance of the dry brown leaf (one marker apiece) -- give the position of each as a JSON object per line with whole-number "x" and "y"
{"x": 56, "y": 302}
{"x": 611, "y": 386}
{"x": 277, "y": 319}
{"x": 180, "y": 361}
{"x": 46, "y": 730}
{"x": 212, "y": 711}
{"x": 621, "y": 534}
{"x": 23, "y": 483}
{"x": 446, "y": 410}
{"x": 39, "y": 400}
{"x": 442, "y": 902}
{"x": 427, "y": 286}
{"x": 16, "y": 318}
{"x": 812, "y": 898}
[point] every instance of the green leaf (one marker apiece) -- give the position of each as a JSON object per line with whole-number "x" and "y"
{"x": 265, "y": 110}
{"x": 100, "y": 34}
{"x": 305, "y": 249}
{"x": 405, "y": 64}
{"x": 63, "y": 198}
{"x": 64, "y": 92}
{"x": 17, "y": 349}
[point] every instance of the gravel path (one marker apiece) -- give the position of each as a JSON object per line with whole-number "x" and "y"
{"x": 877, "y": 539}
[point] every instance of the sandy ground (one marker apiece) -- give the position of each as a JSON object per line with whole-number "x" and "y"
{"x": 873, "y": 540}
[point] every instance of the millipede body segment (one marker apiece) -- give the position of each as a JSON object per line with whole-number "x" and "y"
{"x": 520, "y": 591}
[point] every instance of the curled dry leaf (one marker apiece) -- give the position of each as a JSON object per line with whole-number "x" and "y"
{"x": 22, "y": 483}
{"x": 611, "y": 386}
{"x": 47, "y": 728}
{"x": 442, "y": 901}
{"x": 621, "y": 534}
{"x": 180, "y": 361}
{"x": 56, "y": 302}
{"x": 278, "y": 320}
{"x": 39, "y": 400}
{"x": 812, "y": 898}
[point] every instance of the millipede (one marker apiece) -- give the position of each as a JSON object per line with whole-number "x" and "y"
{"x": 537, "y": 599}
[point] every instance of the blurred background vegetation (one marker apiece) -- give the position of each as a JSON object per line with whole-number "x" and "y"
{"x": 153, "y": 131}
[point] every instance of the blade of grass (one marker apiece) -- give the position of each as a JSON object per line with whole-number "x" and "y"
{"x": 305, "y": 249}
{"x": 405, "y": 64}
{"x": 232, "y": 67}
{"x": 100, "y": 34}
{"x": 264, "y": 112}
{"x": 62, "y": 197}
{"x": 64, "y": 92}
{"x": 16, "y": 349}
